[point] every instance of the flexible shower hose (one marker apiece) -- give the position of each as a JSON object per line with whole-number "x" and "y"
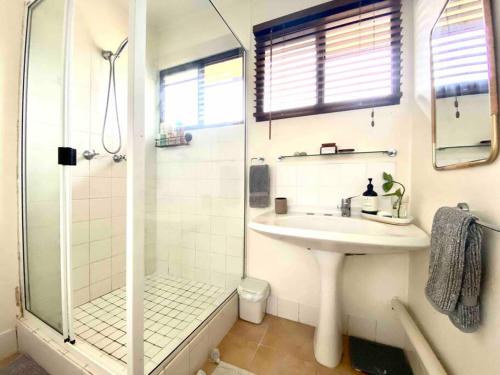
{"x": 111, "y": 82}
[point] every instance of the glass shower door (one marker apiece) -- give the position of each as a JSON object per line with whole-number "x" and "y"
{"x": 42, "y": 135}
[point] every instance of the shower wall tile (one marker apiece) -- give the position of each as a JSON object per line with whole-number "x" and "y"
{"x": 200, "y": 205}
{"x": 118, "y": 281}
{"x": 118, "y": 225}
{"x": 80, "y": 187}
{"x": 80, "y": 139}
{"x": 80, "y": 116}
{"x": 100, "y": 250}
{"x": 100, "y": 270}
{"x": 82, "y": 167}
{"x": 101, "y": 166}
{"x": 118, "y": 244}
{"x": 81, "y": 296}
{"x": 100, "y": 288}
{"x": 100, "y": 208}
{"x": 80, "y": 233}
{"x": 118, "y": 264}
{"x": 80, "y": 277}
{"x": 325, "y": 183}
{"x": 118, "y": 206}
{"x": 80, "y": 210}
{"x": 119, "y": 187}
{"x": 99, "y": 185}
{"x": 80, "y": 255}
{"x": 100, "y": 229}
{"x": 119, "y": 170}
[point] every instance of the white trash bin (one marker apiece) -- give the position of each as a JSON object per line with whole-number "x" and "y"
{"x": 253, "y": 295}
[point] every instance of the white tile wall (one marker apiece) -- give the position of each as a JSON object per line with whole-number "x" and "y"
{"x": 387, "y": 332}
{"x": 325, "y": 183}
{"x": 190, "y": 359}
{"x": 200, "y": 205}
{"x": 98, "y": 185}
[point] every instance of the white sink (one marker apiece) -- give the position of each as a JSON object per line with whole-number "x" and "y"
{"x": 348, "y": 235}
{"x": 330, "y": 236}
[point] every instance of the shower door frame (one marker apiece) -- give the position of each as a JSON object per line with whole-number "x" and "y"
{"x": 134, "y": 254}
{"x": 135, "y": 186}
{"x": 79, "y": 347}
{"x": 65, "y": 185}
{"x": 135, "y": 200}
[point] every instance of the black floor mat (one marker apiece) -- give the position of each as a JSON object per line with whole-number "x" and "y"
{"x": 377, "y": 359}
{"x": 23, "y": 365}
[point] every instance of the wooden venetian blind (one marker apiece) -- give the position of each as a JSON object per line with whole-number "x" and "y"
{"x": 338, "y": 56}
{"x": 459, "y": 51}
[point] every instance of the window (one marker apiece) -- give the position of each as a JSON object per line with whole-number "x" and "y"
{"x": 459, "y": 52}
{"x": 337, "y": 56}
{"x": 203, "y": 93}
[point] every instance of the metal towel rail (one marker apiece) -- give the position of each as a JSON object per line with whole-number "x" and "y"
{"x": 465, "y": 207}
{"x": 425, "y": 353}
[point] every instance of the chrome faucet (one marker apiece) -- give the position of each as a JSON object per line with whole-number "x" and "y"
{"x": 89, "y": 155}
{"x": 345, "y": 206}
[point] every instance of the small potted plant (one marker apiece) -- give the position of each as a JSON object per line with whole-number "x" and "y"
{"x": 397, "y": 196}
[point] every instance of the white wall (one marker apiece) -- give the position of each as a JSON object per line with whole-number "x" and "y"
{"x": 11, "y": 19}
{"x": 461, "y": 353}
{"x": 369, "y": 281}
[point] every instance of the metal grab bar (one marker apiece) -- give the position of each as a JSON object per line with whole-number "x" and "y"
{"x": 465, "y": 207}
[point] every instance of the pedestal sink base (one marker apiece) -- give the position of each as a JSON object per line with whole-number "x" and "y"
{"x": 331, "y": 236}
{"x": 328, "y": 334}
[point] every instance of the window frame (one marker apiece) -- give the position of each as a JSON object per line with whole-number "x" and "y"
{"x": 296, "y": 21}
{"x": 200, "y": 64}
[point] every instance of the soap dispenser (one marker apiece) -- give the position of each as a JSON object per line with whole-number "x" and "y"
{"x": 370, "y": 200}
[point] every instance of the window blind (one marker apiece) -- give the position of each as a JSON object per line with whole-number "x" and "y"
{"x": 338, "y": 56}
{"x": 206, "y": 92}
{"x": 459, "y": 52}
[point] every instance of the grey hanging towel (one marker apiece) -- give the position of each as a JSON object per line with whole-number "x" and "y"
{"x": 259, "y": 186}
{"x": 454, "y": 280}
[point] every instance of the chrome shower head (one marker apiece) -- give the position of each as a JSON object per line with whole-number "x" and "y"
{"x": 121, "y": 47}
{"x": 108, "y": 55}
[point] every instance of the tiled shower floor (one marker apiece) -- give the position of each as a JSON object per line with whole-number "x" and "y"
{"x": 173, "y": 309}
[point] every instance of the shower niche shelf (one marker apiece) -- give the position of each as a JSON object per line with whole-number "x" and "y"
{"x": 181, "y": 140}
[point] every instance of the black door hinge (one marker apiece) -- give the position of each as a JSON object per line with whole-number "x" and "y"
{"x": 66, "y": 156}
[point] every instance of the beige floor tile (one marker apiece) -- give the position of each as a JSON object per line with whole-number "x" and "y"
{"x": 237, "y": 351}
{"x": 270, "y": 361}
{"x": 249, "y": 331}
{"x": 292, "y": 338}
{"x": 277, "y": 346}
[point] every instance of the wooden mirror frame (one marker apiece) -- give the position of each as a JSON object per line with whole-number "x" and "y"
{"x": 493, "y": 91}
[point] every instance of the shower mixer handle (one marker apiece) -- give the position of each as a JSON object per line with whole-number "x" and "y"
{"x": 89, "y": 155}
{"x": 118, "y": 158}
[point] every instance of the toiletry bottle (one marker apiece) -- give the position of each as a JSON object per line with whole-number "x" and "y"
{"x": 370, "y": 200}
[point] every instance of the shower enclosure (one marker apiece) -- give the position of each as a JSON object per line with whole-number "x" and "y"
{"x": 133, "y": 173}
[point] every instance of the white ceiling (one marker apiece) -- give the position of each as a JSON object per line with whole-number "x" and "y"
{"x": 161, "y": 11}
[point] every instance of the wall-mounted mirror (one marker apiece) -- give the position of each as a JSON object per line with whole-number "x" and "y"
{"x": 464, "y": 86}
